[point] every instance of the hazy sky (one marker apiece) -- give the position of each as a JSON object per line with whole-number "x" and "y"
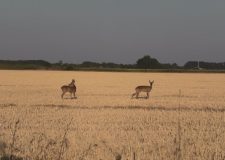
{"x": 118, "y": 31}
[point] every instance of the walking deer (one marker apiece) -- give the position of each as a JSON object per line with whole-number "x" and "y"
{"x": 146, "y": 89}
{"x": 71, "y": 88}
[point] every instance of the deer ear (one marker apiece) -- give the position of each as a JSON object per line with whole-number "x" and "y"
{"x": 153, "y": 81}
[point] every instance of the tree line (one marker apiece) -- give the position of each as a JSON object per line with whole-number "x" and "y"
{"x": 146, "y": 62}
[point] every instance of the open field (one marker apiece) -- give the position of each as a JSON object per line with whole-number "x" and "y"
{"x": 105, "y": 123}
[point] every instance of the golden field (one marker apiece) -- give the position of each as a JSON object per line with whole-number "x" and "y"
{"x": 105, "y": 123}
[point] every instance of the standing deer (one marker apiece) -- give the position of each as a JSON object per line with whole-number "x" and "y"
{"x": 71, "y": 88}
{"x": 146, "y": 89}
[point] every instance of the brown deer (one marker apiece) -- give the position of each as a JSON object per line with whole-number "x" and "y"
{"x": 146, "y": 89}
{"x": 71, "y": 88}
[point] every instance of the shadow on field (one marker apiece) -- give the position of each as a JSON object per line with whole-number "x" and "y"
{"x": 141, "y": 97}
{"x": 8, "y": 105}
{"x": 150, "y": 108}
{"x": 69, "y": 98}
{"x": 147, "y": 108}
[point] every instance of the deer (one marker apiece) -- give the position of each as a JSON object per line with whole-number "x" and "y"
{"x": 146, "y": 89}
{"x": 71, "y": 88}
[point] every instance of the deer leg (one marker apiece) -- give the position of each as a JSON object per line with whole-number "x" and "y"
{"x": 147, "y": 94}
{"x": 137, "y": 95}
{"x": 62, "y": 95}
{"x": 133, "y": 95}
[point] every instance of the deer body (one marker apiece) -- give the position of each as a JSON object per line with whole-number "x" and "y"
{"x": 71, "y": 88}
{"x": 140, "y": 89}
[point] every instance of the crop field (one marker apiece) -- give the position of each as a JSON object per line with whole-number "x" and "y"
{"x": 184, "y": 118}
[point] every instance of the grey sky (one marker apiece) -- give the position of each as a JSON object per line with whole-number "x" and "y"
{"x": 118, "y": 31}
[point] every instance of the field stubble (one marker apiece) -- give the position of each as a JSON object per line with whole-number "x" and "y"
{"x": 106, "y": 122}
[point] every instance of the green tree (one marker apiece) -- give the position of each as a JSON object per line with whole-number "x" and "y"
{"x": 147, "y": 62}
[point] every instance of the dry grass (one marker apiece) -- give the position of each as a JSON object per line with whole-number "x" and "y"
{"x": 107, "y": 124}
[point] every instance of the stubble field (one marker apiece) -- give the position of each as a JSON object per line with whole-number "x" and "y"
{"x": 183, "y": 119}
